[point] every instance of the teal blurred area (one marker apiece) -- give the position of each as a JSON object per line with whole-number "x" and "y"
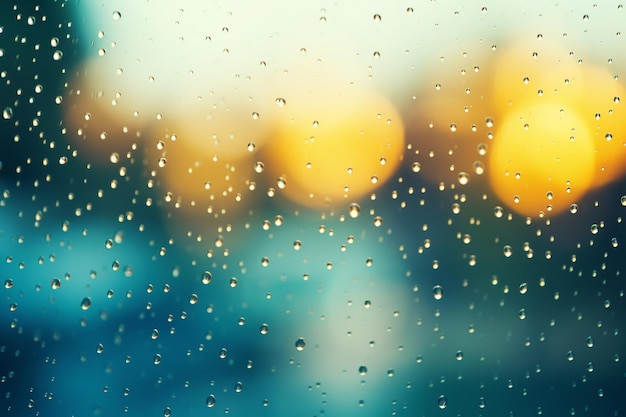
{"x": 108, "y": 309}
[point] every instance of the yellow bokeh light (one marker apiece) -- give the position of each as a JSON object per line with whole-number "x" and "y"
{"x": 332, "y": 147}
{"x": 541, "y": 159}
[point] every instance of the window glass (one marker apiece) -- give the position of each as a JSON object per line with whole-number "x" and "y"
{"x": 312, "y": 208}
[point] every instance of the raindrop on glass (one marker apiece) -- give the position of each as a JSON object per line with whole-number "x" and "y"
{"x": 300, "y": 344}
{"x": 437, "y": 292}
{"x": 7, "y": 113}
{"x": 354, "y": 210}
{"x": 442, "y": 402}
{"x": 85, "y": 303}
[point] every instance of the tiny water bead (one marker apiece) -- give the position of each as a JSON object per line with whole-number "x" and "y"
{"x": 523, "y": 288}
{"x": 437, "y": 292}
{"x": 362, "y": 370}
{"x": 210, "y": 401}
{"x": 354, "y": 210}
{"x": 85, "y": 303}
{"x": 442, "y": 402}
{"x": 300, "y": 344}
{"x": 7, "y": 113}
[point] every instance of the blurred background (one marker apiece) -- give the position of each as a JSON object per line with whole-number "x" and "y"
{"x": 315, "y": 209}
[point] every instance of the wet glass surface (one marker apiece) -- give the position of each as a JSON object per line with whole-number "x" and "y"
{"x": 269, "y": 208}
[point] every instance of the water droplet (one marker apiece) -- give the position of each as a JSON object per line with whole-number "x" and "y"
{"x": 362, "y": 370}
{"x": 459, "y": 355}
{"x": 157, "y": 359}
{"x": 57, "y": 55}
{"x": 210, "y": 401}
{"x": 378, "y": 221}
{"x": 233, "y": 282}
{"x": 523, "y": 288}
{"x": 162, "y": 162}
{"x": 281, "y": 102}
{"x": 479, "y": 168}
{"x": 281, "y": 182}
{"x": 354, "y": 210}
{"x": 7, "y": 113}
{"x": 589, "y": 341}
{"x": 570, "y": 356}
{"x": 300, "y": 344}
{"x": 377, "y": 18}
{"x": 259, "y": 167}
{"x": 522, "y": 314}
{"x": 264, "y": 328}
{"x": 437, "y": 292}
{"x": 297, "y": 245}
{"x": 155, "y": 334}
{"x": 463, "y": 178}
{"x": 117, "y": 15}
{"x": 594, "y": 229}
{"x": 238, "y": 386}
{"x": 498, "y": 212}
{"x": 416, "y": 167}
{"x": 85, "y": 303}
{"x": 508, "y": 251}
{"x": 442, "y": 402}
{"x": 55, "y": 284}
